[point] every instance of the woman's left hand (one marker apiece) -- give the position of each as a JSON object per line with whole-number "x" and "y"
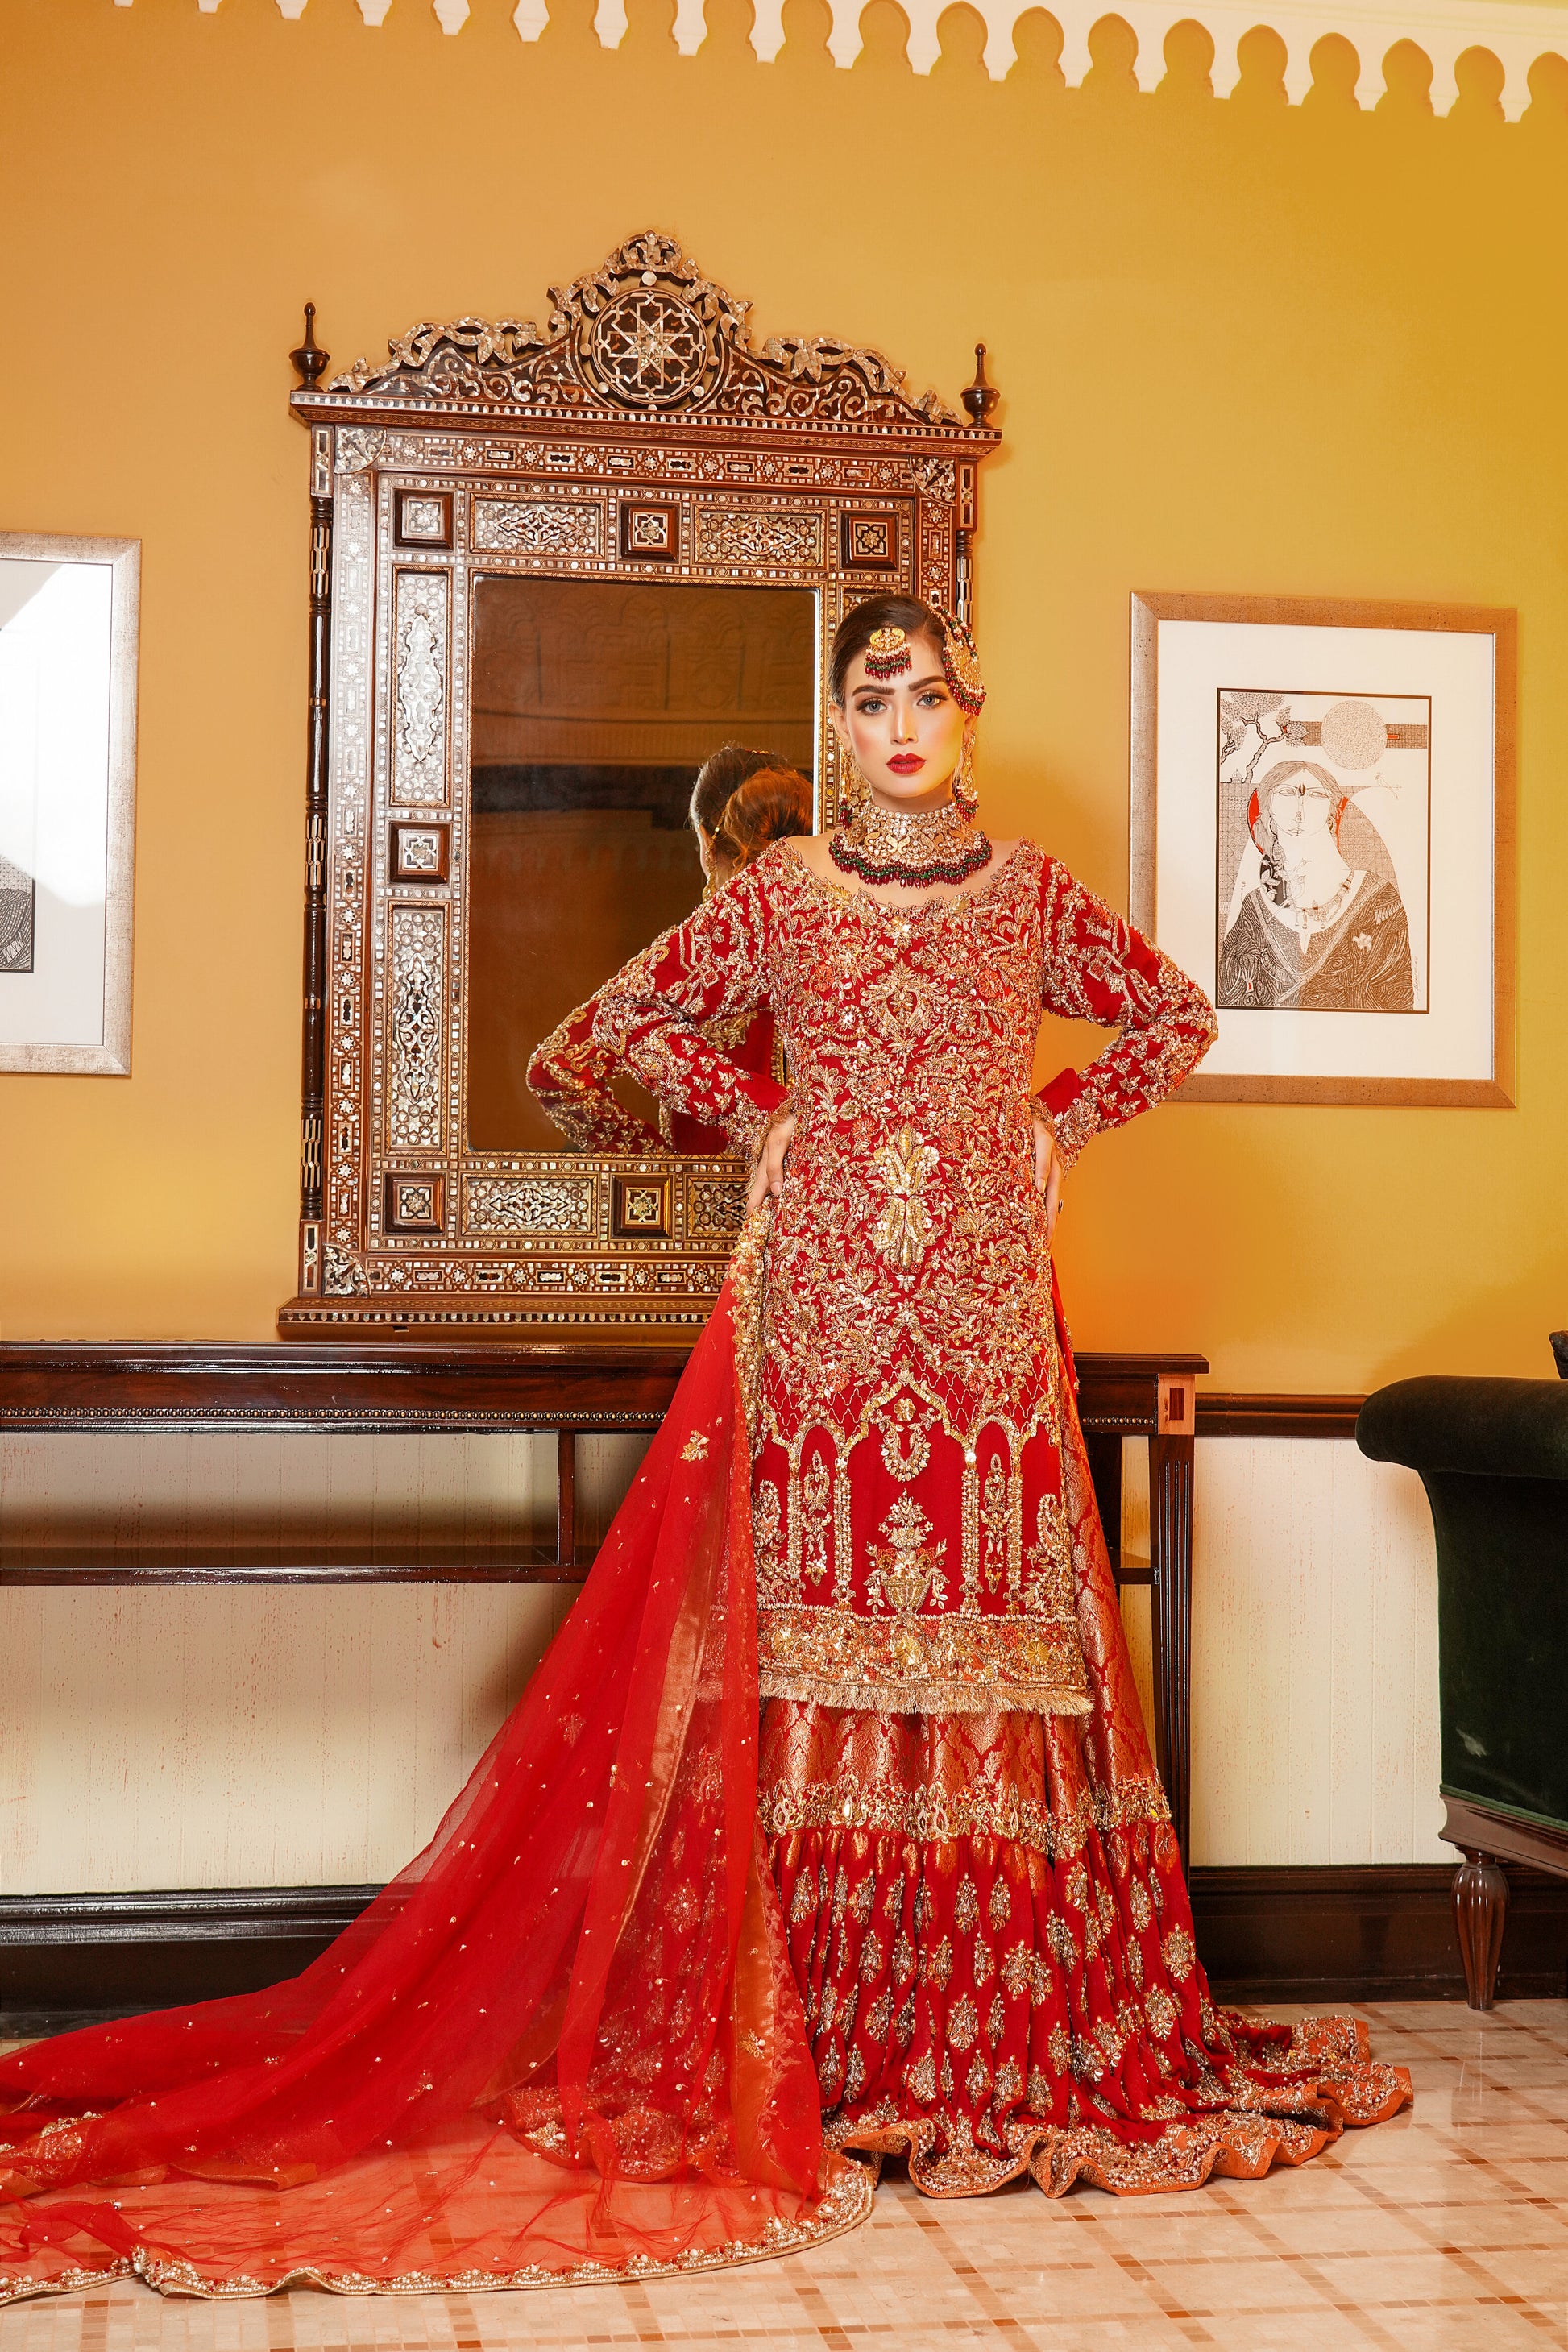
{"x": 1050, "y": 1173}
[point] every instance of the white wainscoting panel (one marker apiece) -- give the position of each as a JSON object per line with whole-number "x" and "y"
{"x": 181, "y": 1737}
{"x": 1314, "y": 1657}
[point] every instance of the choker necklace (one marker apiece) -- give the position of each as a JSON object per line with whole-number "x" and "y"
{"x": 914, "y": 846}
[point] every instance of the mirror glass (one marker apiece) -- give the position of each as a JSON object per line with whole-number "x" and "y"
{"x": 593, "y": 705}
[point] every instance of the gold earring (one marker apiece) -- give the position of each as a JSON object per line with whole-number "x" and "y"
{"x": 852, "y": 788}
{"x": 966, "y": 799}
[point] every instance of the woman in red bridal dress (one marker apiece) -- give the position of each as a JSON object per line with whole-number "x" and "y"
{"x": 655, "y": 1978}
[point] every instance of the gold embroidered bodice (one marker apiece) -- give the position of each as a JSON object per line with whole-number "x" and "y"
{"x": 907, "y": 1514}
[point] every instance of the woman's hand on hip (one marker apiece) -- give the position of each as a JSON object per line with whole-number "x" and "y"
{"x": 1050, "y": 1173}
{"x": 768, "y": 1166}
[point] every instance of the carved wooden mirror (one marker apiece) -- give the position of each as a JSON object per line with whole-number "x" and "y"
{"x": 551, "y": 570}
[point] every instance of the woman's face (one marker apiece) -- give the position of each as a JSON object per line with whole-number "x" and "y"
{"x": 1300, "y": 806}
{"x": 907, "y": 733}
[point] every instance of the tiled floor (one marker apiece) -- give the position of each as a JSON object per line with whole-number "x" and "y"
{"x": 1447, "y": 2227}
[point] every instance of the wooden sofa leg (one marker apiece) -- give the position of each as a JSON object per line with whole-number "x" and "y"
{"x": 1480, "y": 1901}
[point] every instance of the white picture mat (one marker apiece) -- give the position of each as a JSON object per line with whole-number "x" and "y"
{"x": 70, "y": 623}
{"x": 56, "y": 650}
{"x": 1196, "y": 660}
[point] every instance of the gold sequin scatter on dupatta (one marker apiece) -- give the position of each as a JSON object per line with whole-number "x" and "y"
{"x": 987, "y": 1917}
{"x": 565, "y": 2045}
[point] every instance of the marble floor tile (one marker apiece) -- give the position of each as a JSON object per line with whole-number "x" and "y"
{"x": 1445, "y": 2231}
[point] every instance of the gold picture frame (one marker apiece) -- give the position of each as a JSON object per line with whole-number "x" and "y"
{"x": 1403, "y": 711}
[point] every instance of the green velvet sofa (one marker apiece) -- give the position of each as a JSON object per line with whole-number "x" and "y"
{"x": 1493, "y": 1457}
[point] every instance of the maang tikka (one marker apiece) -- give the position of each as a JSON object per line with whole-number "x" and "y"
{"x": 888, "y": 653}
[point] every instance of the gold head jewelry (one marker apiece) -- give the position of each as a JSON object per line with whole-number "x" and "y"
{"x": 888, "y": 655}
{"x": 961, "y": 663}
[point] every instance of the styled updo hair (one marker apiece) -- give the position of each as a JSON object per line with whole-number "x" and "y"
{"x": 859, "y": 625}
{"x": 767, "y": 807}
{"x": 718, "y": 776}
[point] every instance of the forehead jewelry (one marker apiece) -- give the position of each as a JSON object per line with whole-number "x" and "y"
{"x": 962, "y": 665}
{"x": 888, "y": 654}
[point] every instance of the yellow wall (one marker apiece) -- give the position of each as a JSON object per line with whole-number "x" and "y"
{"x": 1240, "y": 347}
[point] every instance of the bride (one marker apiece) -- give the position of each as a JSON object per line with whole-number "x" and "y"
{"x": 666, "y": 1988}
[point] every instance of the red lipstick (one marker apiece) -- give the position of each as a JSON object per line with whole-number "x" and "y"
{"x": 905, "y": 763}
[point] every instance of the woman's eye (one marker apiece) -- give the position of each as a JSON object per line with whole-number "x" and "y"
{"x": 933, "y": 700}
{"x": 871, "y": 707}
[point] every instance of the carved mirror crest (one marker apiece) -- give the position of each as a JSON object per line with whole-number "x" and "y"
{"x": 551, "y": 570}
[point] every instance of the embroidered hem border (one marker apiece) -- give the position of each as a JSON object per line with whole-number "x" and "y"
{"x": 950, "y": 1664}
{"x": 929, "y": 1815}
{"x": 1273, "y": 2120}
{"x": 1235, "y": 2143}
{"x": 845, "y": 2207}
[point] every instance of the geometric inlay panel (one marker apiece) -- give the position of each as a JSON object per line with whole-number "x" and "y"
{"x": 528, "y": 1204}
{"x": 538, "y": 526}
{"x": 724, "y": 536}
{"x": 868, "y": 541}
{"x": 416, "y": 1055}
{"x": 640, "y": 1208}
{"x": 419, "y": 685}
{"x": 715, "y": 1208}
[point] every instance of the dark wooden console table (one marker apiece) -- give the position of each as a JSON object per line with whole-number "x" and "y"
{"x": 571, "y": 1389}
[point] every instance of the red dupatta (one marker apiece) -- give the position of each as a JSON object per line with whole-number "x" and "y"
{"x": 563, "y": 2043}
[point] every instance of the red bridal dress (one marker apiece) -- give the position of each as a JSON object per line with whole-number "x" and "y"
{"x": 656, "y": 1977}
{"x": 988, "y": 1923}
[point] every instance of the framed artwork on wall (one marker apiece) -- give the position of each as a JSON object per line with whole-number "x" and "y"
{"x": 1322, "y": 836}
{"x": 68, "y": 796}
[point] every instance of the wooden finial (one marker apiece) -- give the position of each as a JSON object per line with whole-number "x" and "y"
{"x": 309, "y": 361}
{"x": 980, "y": 397}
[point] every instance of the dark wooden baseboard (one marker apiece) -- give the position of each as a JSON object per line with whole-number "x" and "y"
{"x": 1378, "y": 1933}
{"x": 1318, "y": 1934}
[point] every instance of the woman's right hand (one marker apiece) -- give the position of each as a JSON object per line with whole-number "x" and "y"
{"x": 768, "y": 1166}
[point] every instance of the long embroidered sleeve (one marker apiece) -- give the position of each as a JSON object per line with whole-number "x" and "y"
{"x": 710, "y": 972}
{"x": 569, "y": 1077}
{"x": 1097, "y": 968}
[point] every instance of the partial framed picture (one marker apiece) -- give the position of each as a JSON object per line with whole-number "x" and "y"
{"x": 68, "y": 800}
{"x": 1322, "y": 836}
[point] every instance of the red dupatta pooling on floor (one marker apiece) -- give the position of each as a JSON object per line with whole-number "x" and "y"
{"x": 564, "y": 2042}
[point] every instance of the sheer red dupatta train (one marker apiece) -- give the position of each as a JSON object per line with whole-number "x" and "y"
{"x": 564, "y": 2042}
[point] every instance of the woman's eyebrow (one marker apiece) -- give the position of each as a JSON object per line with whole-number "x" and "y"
{"x": 917, "y": 685}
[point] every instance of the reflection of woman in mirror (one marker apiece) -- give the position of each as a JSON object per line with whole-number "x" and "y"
{"x": 654, "y": 1976}
{"x": 1314, "y": 934}
{"x": 742, "y": 802}
{"x": 718, "y": 779}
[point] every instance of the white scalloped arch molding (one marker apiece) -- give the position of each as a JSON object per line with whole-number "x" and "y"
{"x": 1517, "y": 32}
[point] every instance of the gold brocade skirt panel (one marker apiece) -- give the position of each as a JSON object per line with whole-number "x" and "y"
{"x": 996, "y": 1964}
{"x": 913, "y": 1561}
